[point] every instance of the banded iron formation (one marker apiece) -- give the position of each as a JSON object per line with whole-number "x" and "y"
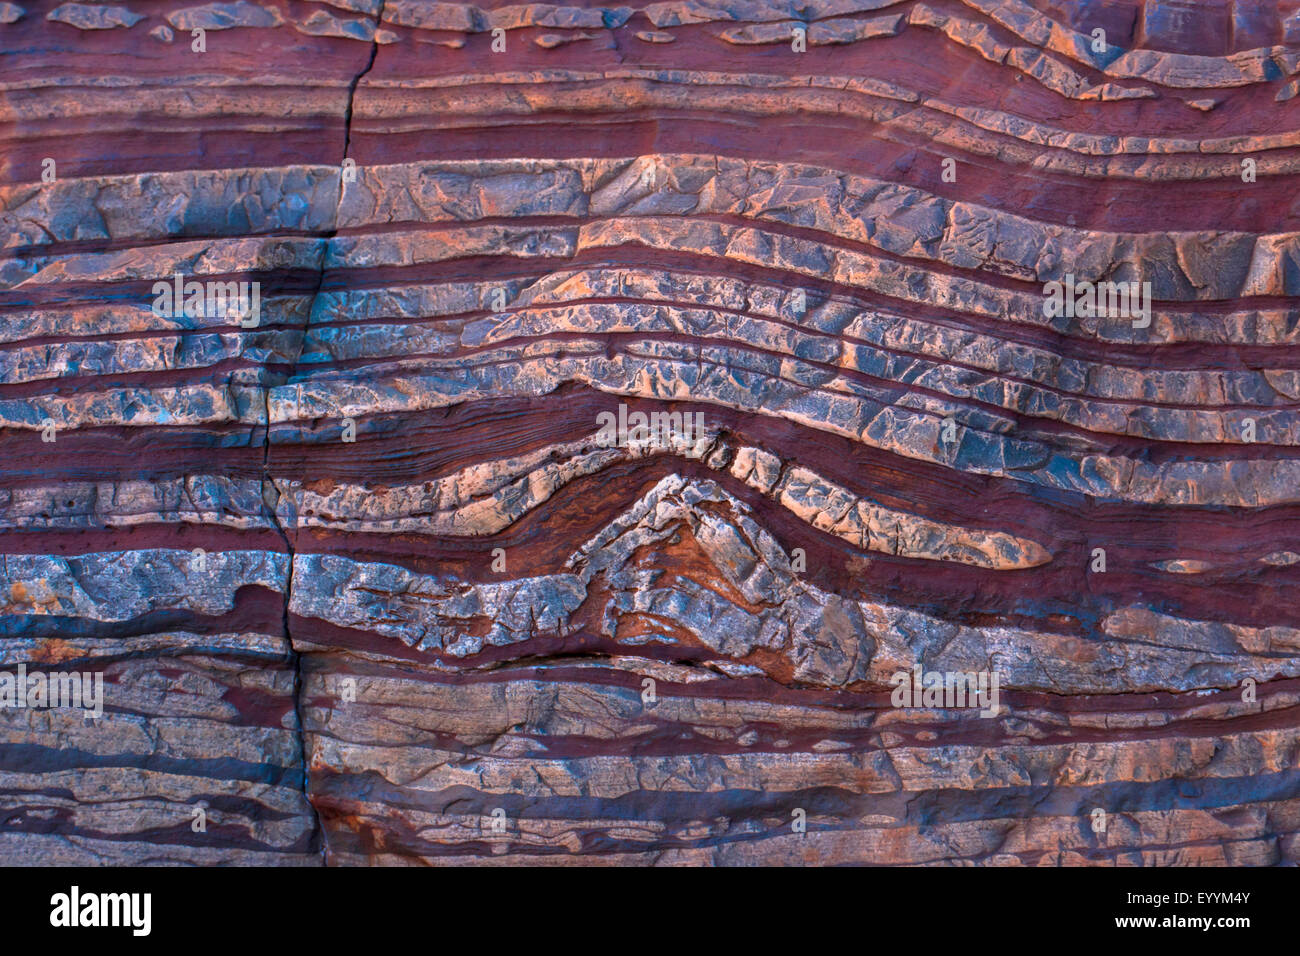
{"x": 364, "y": 583}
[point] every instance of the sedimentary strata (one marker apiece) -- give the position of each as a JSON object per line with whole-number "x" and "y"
{"x": 366, "y": 579}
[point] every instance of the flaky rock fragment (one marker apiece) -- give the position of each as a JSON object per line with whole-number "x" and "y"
{"x": 86, "y": 17}
{"x": 822, "y": 33}
{"x": 225, "y": 16}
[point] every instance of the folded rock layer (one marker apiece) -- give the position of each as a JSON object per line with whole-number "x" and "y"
{"x": 542, "y": 434}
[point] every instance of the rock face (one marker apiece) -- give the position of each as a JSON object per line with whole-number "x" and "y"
{"x": 584, "y": 435}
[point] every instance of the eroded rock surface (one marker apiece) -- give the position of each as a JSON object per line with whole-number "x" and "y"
{"x": 366, "y": 573}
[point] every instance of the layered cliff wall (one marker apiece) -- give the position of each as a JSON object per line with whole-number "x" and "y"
{"x": 365, "y": 575}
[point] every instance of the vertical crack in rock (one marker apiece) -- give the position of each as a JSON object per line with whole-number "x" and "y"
{"x": 319, "y": 837}
{"x": 271, "y": 498}
{"x": 352, "y": 90}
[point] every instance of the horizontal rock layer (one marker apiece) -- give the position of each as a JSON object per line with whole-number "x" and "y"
{"x": 376, "y": 568}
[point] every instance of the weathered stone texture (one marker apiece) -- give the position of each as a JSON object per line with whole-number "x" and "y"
{"x": 362, "y": 576}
